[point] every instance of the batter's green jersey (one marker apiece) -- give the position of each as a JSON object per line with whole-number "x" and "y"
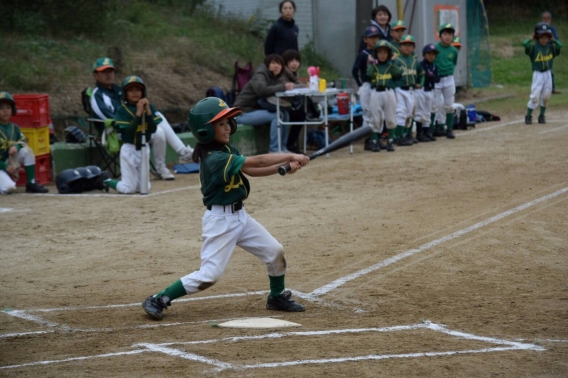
{"x": 130, "y": 125}
{"x": 411, "y": 70}
{"x": 222, "y": 181}
{"x": 10, "y": 135}
{"x": 383, "y": 74}
{"x": 446, "y": 59}
{"x": 541, "y": 56}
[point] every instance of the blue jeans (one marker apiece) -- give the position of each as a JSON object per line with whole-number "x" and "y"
{"x": 262, "y": 117}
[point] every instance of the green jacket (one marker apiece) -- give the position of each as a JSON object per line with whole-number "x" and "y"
{"x": 383, "y": 74}
{"x": 262, "y": 85}
{"x": 130, "y": 126}
{"x": 541, "y": 56}
{"x": 10, "y": 135}
{"x": 446, "y": 59}
{"x": 411, "y": 71}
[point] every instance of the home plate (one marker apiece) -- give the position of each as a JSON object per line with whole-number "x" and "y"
{"x": 258, "y": 323}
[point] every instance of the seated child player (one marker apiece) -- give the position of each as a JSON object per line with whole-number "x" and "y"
{"x": 541, "y": 49}
{"x": 359, "y": 71}
{"x": 14, "y": 152}
{"x": 445, "y": 90}
{"x": 398, "y": 28}
{"x": 411, "y": 72}
{"x": 129, "y": 122}
{"x": 382, "y": 73}
{"x": 226, "y": 223}
{"x": 423, "y": 96}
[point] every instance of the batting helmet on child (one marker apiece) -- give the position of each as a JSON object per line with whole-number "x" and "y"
{"x": 7, "y": 97}
{"x": 207, "y": 111}
{"x": 133, "y": 80}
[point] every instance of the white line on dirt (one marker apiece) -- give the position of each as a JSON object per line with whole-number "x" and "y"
{"x": 555, "y": 129}
{"x": 97, "y": 194}
{"x": 489, "y": 128}
{"x": 36, "y": 319}
{"x": 340, "y": 281}
{"x": 185, "y": 355}
{"x": 8, "y": 210}
{"x": 48, "y": 362}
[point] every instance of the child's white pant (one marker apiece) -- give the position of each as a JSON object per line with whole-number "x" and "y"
{"x": 383, "y": 109}
{"x": 444, "y": 94}
{"x": 404, "y": 105}
{"x": 541, "y": 89}
{"x": 222, "y": 231}
{"x": 26, "y": 157}
{"x": 365, "y": 99}
{"x": 423, "y": 101}
{"x": 130, "y": 164}
{"x": 163, "y": 136}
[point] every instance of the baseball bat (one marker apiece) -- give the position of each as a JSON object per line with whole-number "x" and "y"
{"x": 344, "y": 141}
{"x": 144, "y": 168}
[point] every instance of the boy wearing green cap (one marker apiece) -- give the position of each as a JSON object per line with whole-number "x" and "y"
{"x": 14, "y": 152}
{"x": 398, "y": 28}
{"x": 445, "y": 90}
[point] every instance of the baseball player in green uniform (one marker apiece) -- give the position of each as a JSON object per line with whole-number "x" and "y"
{"x": 445, "y": 90}
{"x": 542, "y": 50}
{"x": 226, "y": 223}
{"x": 411, "y": 73}
{"x": 382, "y": 73}
{"x": 130, "y": 125}
{"x": 398, "y": 28}
{"x": 14, "y": 152}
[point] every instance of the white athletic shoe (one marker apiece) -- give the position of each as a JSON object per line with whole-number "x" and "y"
{"x": 185, "y": 155}
{"x": 166, "y": 175}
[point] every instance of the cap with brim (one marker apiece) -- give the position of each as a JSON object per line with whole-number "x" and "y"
{"x": 447, "y": 26}
{"x": 429, "y": 48}
{"x": 456, "y": 42}
{"x": 398, "y": 24}
{"x": 407, "y": 39}
{"x": 371, "y": 31}
{"x": 102, "y": 64}
{"x": 227, "y": 113}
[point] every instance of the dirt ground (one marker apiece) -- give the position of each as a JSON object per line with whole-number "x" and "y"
{"x": 471, "y": 234}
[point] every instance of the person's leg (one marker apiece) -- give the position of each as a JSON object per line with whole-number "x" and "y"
{"x": 171, "y": 137}
{"x": 26, "y": 157}
{"x": 294, "y": 133}
{"x": 536, "y": 88}
{"x": 7, "y": 185}
{"x": 545, "y": 95}
{"x": 365, "y": 96}
{"x": 159, "y": 147}
{"x": 263, "y": 118}
{"x": 388, "y": 105}
{"x": 449, "y": 94}
{"x": 130, "y": 160}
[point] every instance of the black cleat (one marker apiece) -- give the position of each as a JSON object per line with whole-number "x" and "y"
{"x": 376, "y": 147}
{"x": 541, "y": 119}
{"x": 450, "y": 134}
{"x": 528, "y": 120}
{"x": 422, "y": 138}
{"x": 390, "y": 147}
{"x": 154, "y": 307}
{"x": 368, "y": 144}
{"x": 439, "y": 132}
{"x": 284, "y": 302}
{"x": 404, "y": 141}
{"x": 34, "y": 187}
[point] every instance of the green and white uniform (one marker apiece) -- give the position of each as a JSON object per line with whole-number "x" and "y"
{"x": 411, "y": 72}
{"x": 542, "y": 58}
{"x": 445, "y": 90}
{"x": 10, "y": 135}
{"x": 383, "y": 99}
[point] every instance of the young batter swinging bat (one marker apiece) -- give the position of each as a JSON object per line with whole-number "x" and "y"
{"x": 345, "y": 140}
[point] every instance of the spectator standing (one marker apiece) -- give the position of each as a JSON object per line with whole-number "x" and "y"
{"x": 380, "y": 18}
{"x": 283, "y": 34}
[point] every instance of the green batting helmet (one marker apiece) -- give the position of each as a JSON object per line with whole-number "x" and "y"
{"x": 447, "y": 26}
{"x": 131, "y": 80}
{"x": 5, "y": 96}
{"x": 207, "y": 111}
{"x": 407, "y": 39}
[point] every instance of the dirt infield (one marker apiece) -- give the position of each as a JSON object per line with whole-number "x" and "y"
{"x": 440, "y": 259}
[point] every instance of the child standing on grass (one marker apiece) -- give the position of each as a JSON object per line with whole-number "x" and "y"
{"x": 226, "y": 223}
{"x": 14, "y": 151}
{"x": 542, "y": 50}
{"x": 382, "y": 73}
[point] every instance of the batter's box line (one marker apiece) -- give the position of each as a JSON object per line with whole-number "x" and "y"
{"x": 165, "y": 348}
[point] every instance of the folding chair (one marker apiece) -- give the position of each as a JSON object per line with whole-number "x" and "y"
{"x": 110, "y": 162}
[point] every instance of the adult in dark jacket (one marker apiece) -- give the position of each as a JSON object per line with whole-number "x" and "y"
{"x": 265, "y": 82}
{"x": 381, "y": 18}
{"x": 283, "y": 34}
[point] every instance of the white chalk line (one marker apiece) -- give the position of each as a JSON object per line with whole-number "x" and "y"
{"x": 107, "y": 195}
{"x": 340, "y": 281}
{"x": 4, "y": 210}
{"x": 489, "y": 128}
{"x": 555, "y": 129}
{"x": 220, "y": 365}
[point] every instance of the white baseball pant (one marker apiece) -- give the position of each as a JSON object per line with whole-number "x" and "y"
{"x": 383, "y": 109}
{"x": 541, "y": 89}
{"x": 130, "y": 164}
{"x": 26, "y": 157}
{"x": 404, "y": 105}
{"x": 444, "y": 95}
{"x": 365, "y": 99}
{"x": 163, "y": 136}
{"x": 222, "y": 231}
{"x": 423, "y": 100}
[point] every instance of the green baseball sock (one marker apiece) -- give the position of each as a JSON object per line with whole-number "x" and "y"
{"x": 30, "y": 173}
{"x": 174, "y": 291}
{"x": 407, "y": 131}
{"x": 276, "y": 285}
{"x": 432, "y": 118}
{"x": 375, "y": 136}
{"x": 450, "y": 121}
{"x": 529, "y": 111}
{"x": 391, "y": 134}
{"x": 112, "y": 183}
{"x": 399, "y": 131}
{"x": 542, "y": 110}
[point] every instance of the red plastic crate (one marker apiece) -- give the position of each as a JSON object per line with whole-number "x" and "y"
{"x": 33, "y": 110}
{"x": 43, "y": 171}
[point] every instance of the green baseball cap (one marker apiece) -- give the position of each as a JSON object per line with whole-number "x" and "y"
{"x": 398, "y": 24}
{"x": 407, "y": 38}
{"x": 102, "y": 64}
{"x": 447, "y": 26}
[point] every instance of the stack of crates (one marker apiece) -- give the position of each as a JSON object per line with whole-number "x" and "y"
{"x": 34, "y": 121}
